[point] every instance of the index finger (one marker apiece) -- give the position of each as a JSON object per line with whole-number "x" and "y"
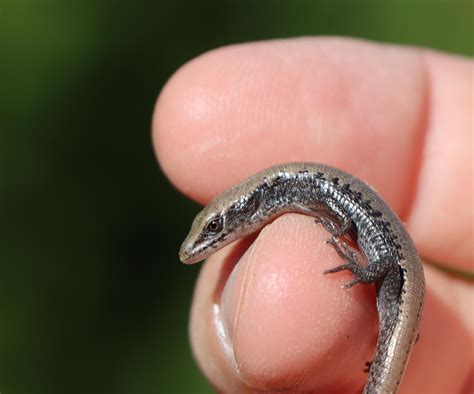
{"x": 395, "y": 117}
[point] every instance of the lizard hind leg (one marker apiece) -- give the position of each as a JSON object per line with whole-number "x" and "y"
{"x": 351, "y": 263}
{"x": 362, "y": 274}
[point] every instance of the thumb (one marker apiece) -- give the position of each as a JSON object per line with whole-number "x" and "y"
{"x": 277, "y": 322}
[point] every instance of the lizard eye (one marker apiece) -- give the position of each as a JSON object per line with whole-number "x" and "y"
{"x": 215, "y": 225}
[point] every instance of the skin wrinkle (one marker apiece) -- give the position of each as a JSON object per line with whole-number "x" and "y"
{"x": 246, "y": 283}
{"x": 422, "y": 126}
{"x": 436, "y": 148}
{"x": 425, "y": 122}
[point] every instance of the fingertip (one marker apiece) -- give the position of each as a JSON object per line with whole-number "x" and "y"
{"x": 309, "y": 99}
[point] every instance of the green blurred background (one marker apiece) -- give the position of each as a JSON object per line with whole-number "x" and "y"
{"x": 92, "y": 297}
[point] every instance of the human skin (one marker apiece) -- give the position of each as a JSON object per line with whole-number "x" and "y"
{"x": 263, "y": 316}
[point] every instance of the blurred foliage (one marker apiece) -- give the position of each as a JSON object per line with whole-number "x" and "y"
{"x": 92, "y": 297}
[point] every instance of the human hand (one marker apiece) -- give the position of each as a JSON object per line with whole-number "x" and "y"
{"x": 395, "y": 117}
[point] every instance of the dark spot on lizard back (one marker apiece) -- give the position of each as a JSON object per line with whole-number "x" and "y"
{"x": 377, "y": 214}
{"x": 347, "y": 187}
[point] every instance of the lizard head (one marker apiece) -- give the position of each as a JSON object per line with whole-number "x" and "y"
{"x": 224, "y": 220}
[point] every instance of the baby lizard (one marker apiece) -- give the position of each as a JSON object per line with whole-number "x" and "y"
{"x": 344, "y": 205}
